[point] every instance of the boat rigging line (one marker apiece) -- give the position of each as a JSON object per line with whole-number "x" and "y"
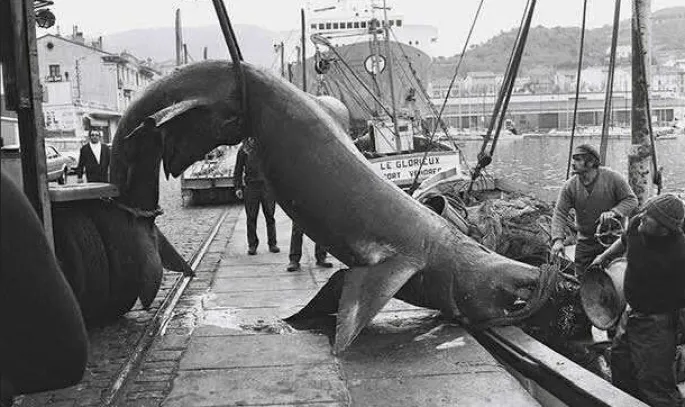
{"x": 575, "y": 105}
{"x": 317, "y": 38}
{"x": 500, "y": 109}
{"x": 609, "y": 94}
{"x": 414, "y": 184}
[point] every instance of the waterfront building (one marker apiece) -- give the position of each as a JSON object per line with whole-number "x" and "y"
{"x": 545, "y": 112}
{"x": 9, "y": 125}
{"x": 82, "y": 79}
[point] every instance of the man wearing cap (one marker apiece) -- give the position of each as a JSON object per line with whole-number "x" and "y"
{"x": 643, "y": 353}
{"x": 596, "y": 194}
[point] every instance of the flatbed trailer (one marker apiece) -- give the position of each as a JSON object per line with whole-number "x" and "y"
{"x": 210, "y": 180}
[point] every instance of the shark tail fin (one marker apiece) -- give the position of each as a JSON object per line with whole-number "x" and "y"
{"x": 365, "y": 292}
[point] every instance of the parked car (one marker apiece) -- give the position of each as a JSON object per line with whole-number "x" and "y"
{"x": 58, "y": 165}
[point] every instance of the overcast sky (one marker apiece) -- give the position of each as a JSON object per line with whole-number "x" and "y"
{"x": 451, "y": 17}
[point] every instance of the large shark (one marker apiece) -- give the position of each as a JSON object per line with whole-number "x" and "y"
{"x": 392, "y": 244}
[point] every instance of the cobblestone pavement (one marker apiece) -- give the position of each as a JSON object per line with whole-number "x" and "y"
{"x": 110, "y": 346}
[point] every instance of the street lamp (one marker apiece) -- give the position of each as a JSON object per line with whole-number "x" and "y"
{"x": 45, "y": 18}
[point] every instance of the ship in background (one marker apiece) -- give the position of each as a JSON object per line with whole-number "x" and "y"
{"x": 368, "y": 57}
{"x": 355, "y": 29}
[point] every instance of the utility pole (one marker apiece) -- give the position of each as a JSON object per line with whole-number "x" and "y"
{"x": 25, "y": 97}
{"x": 641, "y": 149}
{"x": 204, "y": 53}
{"x": 179, "y": 39}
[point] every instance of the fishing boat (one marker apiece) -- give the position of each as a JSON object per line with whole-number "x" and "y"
{"x": 368, "y": 57}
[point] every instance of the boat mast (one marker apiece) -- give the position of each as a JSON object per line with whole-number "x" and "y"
{"x": 304, "y": 52}
{"x": 388, "y": 55}
{"x": 641, "y": 149}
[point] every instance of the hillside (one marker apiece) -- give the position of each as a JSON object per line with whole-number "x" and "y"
{"x": 557, "y": 47}
{"x": 547, "y": 48}
{"x": 256, "y": 43}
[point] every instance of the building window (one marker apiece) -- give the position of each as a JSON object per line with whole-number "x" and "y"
{"x": 328, "y": 26}
{"x": 391, "y": 23}
{"x": 398, "y": 23}
{"x": 363, "y": 24}
{"x": 335, "y": 26}
{"x": 55, "y": 74}
{"x": 356, "y": 24}
{"x": 321, "y": 26}
{"x": 313, "y": 26}
{"x": 349, "y": 25}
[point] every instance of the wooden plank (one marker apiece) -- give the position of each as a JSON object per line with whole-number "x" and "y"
{"x": 593, "y": 385}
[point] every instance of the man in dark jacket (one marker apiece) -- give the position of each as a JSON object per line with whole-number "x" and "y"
{"x": 94, "y": 158}
{"x": 251, "y": 186}
{"x": 643, "y": 353}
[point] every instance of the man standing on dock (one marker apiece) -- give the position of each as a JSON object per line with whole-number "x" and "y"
{"x": 597, "y": 194}
{"x": 251, "y": 186}
{"x": 296, "y": 251}
{"x": 643, "y": 352}
{"x": 93, "y": 159}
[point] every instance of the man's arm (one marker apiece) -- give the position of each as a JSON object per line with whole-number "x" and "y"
{"x": 240, "y": 161}
{"x": 81, "y": 164}
{"x": 561, "y": 212}
{"x": 616, "y": 249}
{"x": 626, "y": 200}
{"x": 239, "y": 169}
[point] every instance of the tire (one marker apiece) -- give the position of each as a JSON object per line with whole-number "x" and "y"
{"x": 63, "y": 177}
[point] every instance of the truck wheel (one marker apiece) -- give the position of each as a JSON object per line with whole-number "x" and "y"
{"x": 63, "y": 177}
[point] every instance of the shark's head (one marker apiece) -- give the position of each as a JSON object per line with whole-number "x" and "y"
{"x": 177, "y": 120}
{"x": 506, "y": 292}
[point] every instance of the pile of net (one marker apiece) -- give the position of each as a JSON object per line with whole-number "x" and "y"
{"x": 518, "y": 227}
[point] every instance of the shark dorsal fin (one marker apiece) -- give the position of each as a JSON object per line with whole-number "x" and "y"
{"x": 365, "y": 293}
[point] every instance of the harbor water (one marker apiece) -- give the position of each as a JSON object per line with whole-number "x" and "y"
{"x": 539, "y": 162}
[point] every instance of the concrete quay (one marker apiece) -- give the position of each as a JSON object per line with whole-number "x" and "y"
{"x": 227, "y": 344}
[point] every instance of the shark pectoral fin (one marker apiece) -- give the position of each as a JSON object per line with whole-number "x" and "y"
{"x": 171, "y": 259}
{"x": 176, "y": 110}
{"x": 365, "y": 292}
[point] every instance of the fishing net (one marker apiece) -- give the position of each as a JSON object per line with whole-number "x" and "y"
{"x": 519, "y": 227}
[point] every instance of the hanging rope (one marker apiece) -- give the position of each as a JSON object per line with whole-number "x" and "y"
{"x": 575, "y": 105}
{"x": 610, "y": 87}
{"x": 500, "y": 109}
{"x": 236, "y": 57}
{"x": 414, "y": 184}
{"x": 316, "y": 38}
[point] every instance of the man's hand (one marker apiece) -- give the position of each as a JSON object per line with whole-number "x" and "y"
{"x": 557, "y": 248}
{"x": 606, "y": 216}
{"x": 239, "y": 193}
{"x": 597, "y": 262}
